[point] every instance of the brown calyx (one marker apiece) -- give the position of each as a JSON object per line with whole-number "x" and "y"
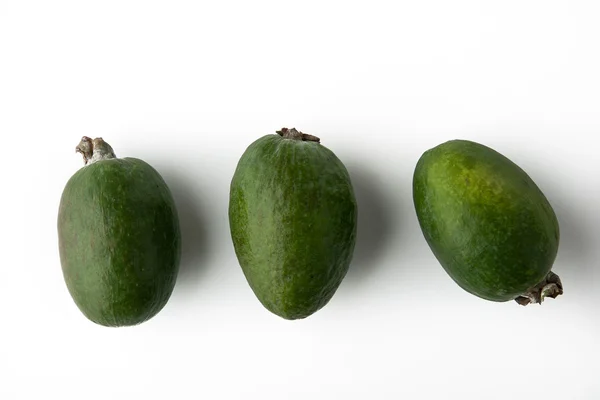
{"x": 94, "y": 150}
{"x": 295, "y": 134}
{"x": 550, "y": 286}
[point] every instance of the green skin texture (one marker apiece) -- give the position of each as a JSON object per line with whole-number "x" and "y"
{"x": 292, "y": 214}
{"x": 119, "y": 241}
{"x": 484, "y": 218}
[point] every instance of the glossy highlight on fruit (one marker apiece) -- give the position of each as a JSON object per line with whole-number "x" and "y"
{"x": 119, "y": 237}
{"x": 292, "y": 215}
{"x": 486, "y": 221}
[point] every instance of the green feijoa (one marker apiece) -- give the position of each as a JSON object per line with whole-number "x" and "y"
{"x": 119, "y": 237}
{"x": 487, "y": 222}
{"x": 292, "y": 215}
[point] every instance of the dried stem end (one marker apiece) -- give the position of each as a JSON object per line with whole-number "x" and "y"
{"x": 94, "y": 150}
{"x": 297, "y": 135}
{"x": 551, "y": 287}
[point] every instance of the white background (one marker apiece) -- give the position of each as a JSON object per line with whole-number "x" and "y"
{"x": 188, "y": 85}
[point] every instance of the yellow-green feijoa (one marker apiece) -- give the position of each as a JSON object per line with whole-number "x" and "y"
{"x": 487, "y": 222}
{"x": 119, "y": 237}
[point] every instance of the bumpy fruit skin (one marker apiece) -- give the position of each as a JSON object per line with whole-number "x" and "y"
{"x": 486, "y": 221}
{"x": 119, "y": 241}
{"x": 292, "y": 216}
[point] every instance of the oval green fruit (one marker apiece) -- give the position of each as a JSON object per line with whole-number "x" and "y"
{"x": 487, "y": 222}
{"x": 119, "y": 237}
{"x": 292, "y": 215}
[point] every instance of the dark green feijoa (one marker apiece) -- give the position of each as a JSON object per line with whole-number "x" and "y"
{"x": 487, "y": 223}
{"x": 119, "y": 237}
{"x": 292, "y": 214}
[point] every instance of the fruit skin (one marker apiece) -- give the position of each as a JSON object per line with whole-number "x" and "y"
{"x": 119, "y": 241}
{"x": 292, "y": 214}
{"x": 484, "y": 218}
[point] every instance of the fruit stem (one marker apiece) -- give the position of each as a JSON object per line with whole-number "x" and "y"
{"x": 94, "y": 150}
{"x": 297, "y": 135}
{"x": 550, "y": 286}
